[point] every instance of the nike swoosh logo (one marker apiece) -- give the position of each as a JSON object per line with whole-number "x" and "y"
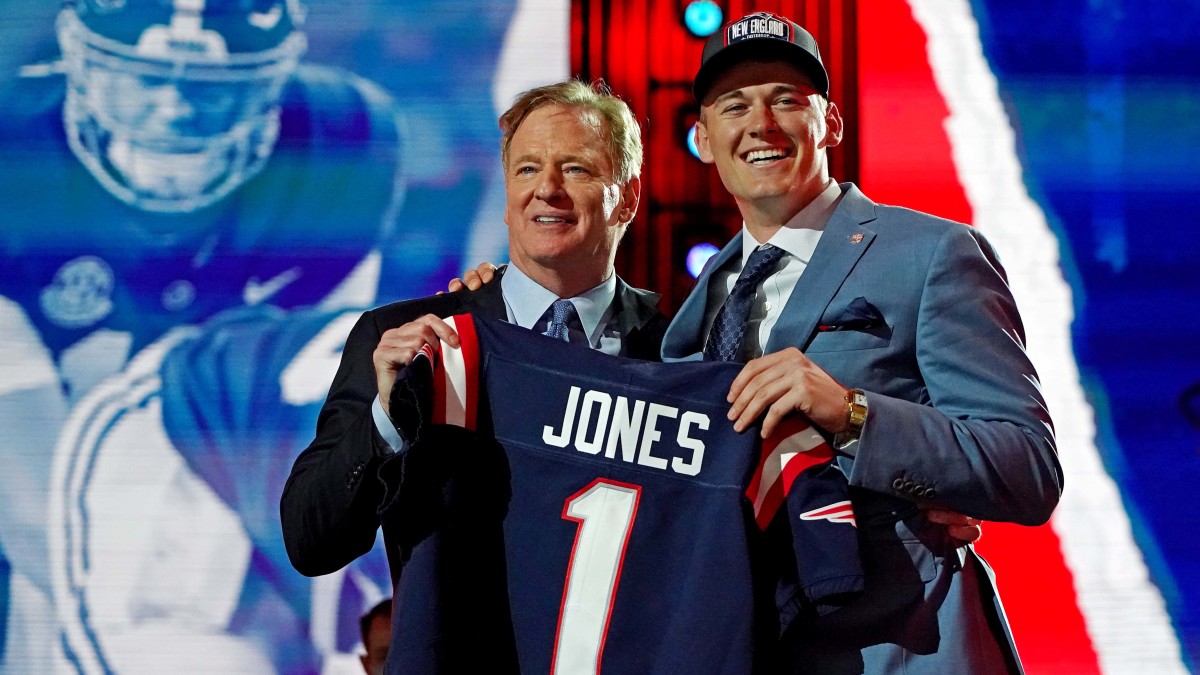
{"x": 257, "y": 291}
{"x": 266, "y": 20}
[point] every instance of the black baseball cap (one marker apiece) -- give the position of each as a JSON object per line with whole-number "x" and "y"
{"x": 765, "y": 36}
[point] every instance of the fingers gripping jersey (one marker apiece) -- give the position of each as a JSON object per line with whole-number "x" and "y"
{"x": 604, "y": 516}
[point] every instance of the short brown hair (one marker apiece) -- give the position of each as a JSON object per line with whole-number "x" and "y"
{"x": 624, "y": 137}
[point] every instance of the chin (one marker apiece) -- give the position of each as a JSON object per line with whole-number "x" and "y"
{"x": 545, "y": 255}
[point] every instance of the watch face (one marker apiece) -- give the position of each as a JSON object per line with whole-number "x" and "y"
{"x": 858, "y": 409}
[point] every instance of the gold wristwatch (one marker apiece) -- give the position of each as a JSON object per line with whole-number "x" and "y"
{"x": 856, "y": 402}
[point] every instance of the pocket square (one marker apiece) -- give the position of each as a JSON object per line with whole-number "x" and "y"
{"x": 858, "y": 315}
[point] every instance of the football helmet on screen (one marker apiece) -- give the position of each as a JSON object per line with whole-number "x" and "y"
{"x": 172, "y": 104}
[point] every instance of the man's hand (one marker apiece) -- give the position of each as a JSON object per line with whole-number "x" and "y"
{"x": 785, "y": 382}
{"x": 964, "y": 529}
{"x": 474, "y": 279}
{"x": 398, "y": 346}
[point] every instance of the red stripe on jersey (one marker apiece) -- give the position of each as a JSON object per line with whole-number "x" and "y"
{"x": 793, "y": 448}
{"x": 439, "y": 384}
{"x": 470, "y": 350}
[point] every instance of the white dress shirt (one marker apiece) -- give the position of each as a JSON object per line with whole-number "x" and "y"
{"x": 525, "y": 301}
{"x": 798, "y": 238}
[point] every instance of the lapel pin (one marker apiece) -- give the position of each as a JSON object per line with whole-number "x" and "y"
{"x": 856, "y": 238}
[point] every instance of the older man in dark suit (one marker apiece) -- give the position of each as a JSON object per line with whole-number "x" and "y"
{"x": 572, "y": 154}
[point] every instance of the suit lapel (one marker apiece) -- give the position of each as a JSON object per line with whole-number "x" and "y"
{"x": 635, "y": 307}
{"x": 685, "y": 335}
{"x": 845, "y": 240}
{"x": 640, "y": 322}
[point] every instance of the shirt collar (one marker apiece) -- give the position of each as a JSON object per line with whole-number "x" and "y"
{"x": 526, "y": 300}
{"x": 799, "y": 236}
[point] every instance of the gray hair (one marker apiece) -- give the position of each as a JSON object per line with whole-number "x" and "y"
{"x": 624, "y": 137}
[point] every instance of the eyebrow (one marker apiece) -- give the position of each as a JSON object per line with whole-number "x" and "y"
{"x": 565, "y": 159}
{"x": 736, "y": 93}
{"x": 581, "y": 159}
{"x": 781, "y": 88}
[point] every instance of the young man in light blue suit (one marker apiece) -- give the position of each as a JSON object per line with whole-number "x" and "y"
{"x": 895, "y": 333}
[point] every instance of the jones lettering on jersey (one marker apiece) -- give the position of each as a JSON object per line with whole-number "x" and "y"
{"x": 595, "y": 422}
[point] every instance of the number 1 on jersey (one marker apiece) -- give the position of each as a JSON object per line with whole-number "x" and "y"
{"x": 605, "y": 511}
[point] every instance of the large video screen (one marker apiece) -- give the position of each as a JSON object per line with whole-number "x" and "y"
{"x": 198, "y": 198}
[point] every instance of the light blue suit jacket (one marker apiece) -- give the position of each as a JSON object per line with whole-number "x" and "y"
{"x": 916, "y": 311}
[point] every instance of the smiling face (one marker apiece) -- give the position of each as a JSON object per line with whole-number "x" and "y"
{"x": 768, "y": 131}
{"x": 565, "y": 211}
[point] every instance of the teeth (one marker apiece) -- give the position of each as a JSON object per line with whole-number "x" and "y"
{"x": 549, "y": 219}
{"x": 764, "y": 155}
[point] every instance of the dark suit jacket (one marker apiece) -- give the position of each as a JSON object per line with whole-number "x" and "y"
{"x": 330, "y": 501}
{"x": 916, "y": 311}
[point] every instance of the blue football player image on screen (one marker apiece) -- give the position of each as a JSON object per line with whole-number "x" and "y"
{"x": 196, "y": 118}
{"x": 176, "y": 161}
{"x": 179, "y": 159}
{"x": 170, "y": 160}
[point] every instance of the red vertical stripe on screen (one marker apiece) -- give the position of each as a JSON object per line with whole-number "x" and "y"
{"x": 904, "y": 151}
{"x": 906, "y": 160}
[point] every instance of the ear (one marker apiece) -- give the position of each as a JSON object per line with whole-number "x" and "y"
{"x": 631, "y": 195}
{"x": 702, "y": 145}
{"x": 833, "y": 126}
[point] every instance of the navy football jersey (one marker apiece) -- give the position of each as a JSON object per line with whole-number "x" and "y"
{"x": 604, "y": 516}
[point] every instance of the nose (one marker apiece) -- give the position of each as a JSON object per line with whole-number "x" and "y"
{"x": 550, "y": 185}
{"x": 763, "y": 121}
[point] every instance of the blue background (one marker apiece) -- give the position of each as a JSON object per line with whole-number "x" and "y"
{"x": 1105, "y": 97}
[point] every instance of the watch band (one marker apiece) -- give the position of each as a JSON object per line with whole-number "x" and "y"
{"x": 856, "y": 404}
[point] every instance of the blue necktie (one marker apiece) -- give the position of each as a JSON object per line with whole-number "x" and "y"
{"x": 564, "y": 315}
{"x": 729, "y": 328}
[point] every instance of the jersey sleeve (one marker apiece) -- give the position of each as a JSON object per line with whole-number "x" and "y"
{"x": 801, "y": 500}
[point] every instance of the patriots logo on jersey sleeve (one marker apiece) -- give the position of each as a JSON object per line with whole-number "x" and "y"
{"x": 838, "y": 512}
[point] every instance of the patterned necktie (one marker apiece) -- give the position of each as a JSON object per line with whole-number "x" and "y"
{"x": 564, "y": 315}
{"x": 729, "y": 328}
